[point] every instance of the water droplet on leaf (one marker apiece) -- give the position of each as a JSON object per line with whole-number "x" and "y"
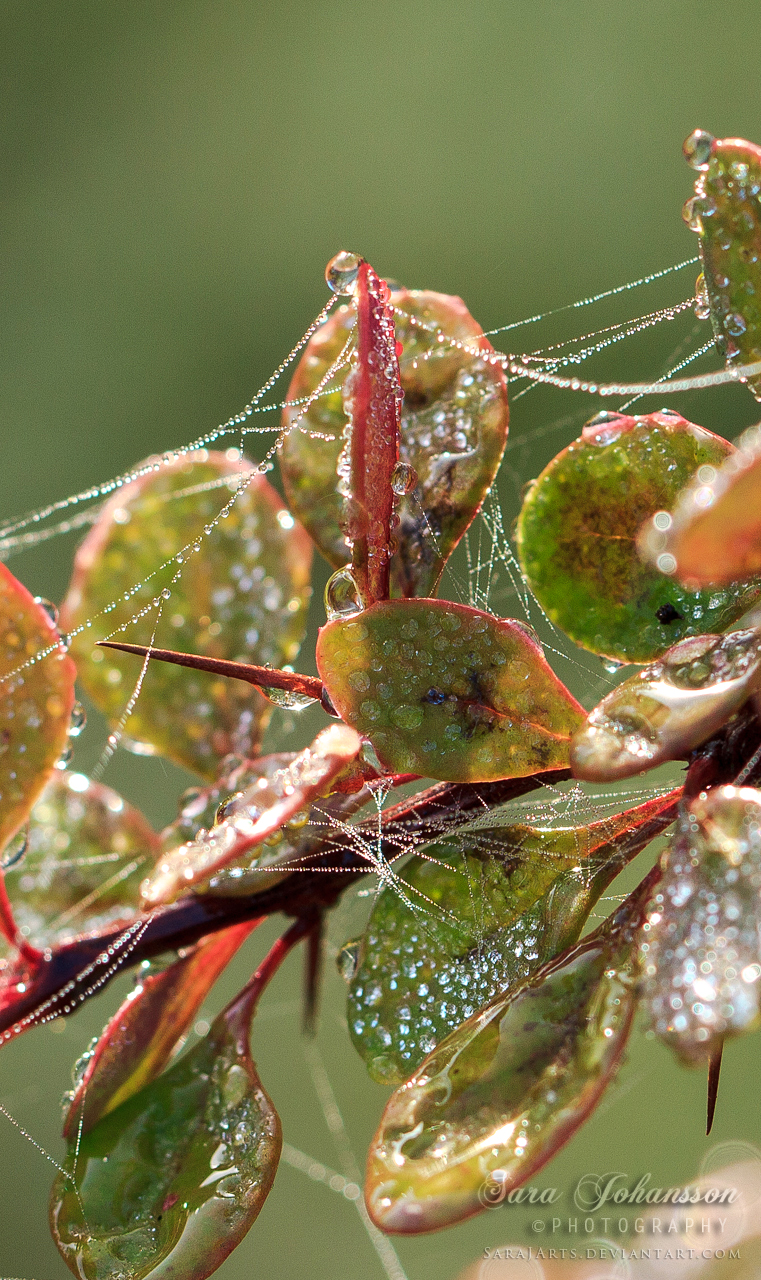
{"x": 342, "y": 271}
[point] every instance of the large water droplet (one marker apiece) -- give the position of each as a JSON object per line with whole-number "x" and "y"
{"x": 611, "y": 665}
{"x": 341, "y": 595}
{"x": 347, "y": 959}
{"x": 15, "y": 852}
{"x": 341, "y": 272}
{"x": 48, "y": 607}
{"x": 697, "y": 148}
{"x": 65, "y": 758}
{"x": 403, "y": 479}
{"x": 287, "y": 698}
{"x": 702, "y": 308}
{"x": 691, "y": 210}
{"x": 734, "y": 323}
{"x": 605, "y": 415}
{"x": 78, "y": 720}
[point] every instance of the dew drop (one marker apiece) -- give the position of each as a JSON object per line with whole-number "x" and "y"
{"x": 341, "y": 272}
{"x": 702, "y": 308}
{"x": 78, "y": 720}
{"x": 611, "y": 665}
{"x": 403, "y": 479}
{"x": 341, "y": 595}
{"x": 697, "y": 148}
{"x": 734, "y": 323}
{"x": 691, "y": 210}
{"x": 347, "y": 959}
{"x": 287, "y": 699}
{"x": 48, "y": 607}
{"x": 65, "y": 758}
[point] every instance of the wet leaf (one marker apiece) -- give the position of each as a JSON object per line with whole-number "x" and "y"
{"x": 468, "y": 919}
{"x": 87, "y": 852}
{"x": 447, "y": 692}
{"x": 36, "y": 701}
{"x": 149, "y": 1026}
{"x": 309, "y": 831}
{"x": 503, "y": 1092}
{"x": 725, "y": 214}
{"x": 669, "y": 707}
{"x": 257, "y": 815}
{"x": 577, "y": 536}
{"x": 701, "y": 950}
{"x": 168, "y": 1184}
{"x": 714, "y": 533}
{"x": 453, "y": 432}
{"x": 243, "y": 596}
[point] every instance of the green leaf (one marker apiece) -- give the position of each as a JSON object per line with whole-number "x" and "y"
{"x": 714, "y": 533}
{"x": 243, "y": 597}
{"x": 577, "y": 536}
{"x": 725, "y": 214}
{"x": 470, "y": 918}
{"x": 87, "y": 852}
{"x": 453, "y": 432}
{"x": 447, "y": 692}
{"x": 257, "y": 815}
{"x": 670, "y": 707}
{"x": 36, "y": 701}
{"x": 498, "y": 1097}
{"x": 147, "y": 1029}
{"x": 701, "y": 949}
{"x": 168, "y": 1184}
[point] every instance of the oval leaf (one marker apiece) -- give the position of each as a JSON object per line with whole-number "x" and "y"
{"x": 447, "y": 692}
{"x": 669, "y": 708}
{"x": 701, "y": 952}
{"x": 453, "y": 432}
{"x": 257, "y": 815}
{"x": 469, "y": 919}
{"x": 503, "y": 1092}
{"x": 243, "y": 597}
{"x": 36, "y": 701}
{"x": 725, "y": 214}
{"x": 169, "y": 1183}
{"x": 87, "y": 852}
{"x": 577, "y": 536}
{"x": 714, "y": 534}
{"x": 148, "y": 1027}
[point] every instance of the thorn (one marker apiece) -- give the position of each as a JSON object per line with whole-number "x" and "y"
{"x": 266, "y": 677}
{"x": 312, "y": 975}
{"x": 714, "y": 1070}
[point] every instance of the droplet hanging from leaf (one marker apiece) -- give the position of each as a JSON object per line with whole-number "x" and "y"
{"x": 498, "y": 1097}
{"x": 701, "y": 948}
{"x": 578, "y": 529}
{"x": 725, "y": 213}
{"x": 453, "y": 431}
{"x": 669, "y": 707}
{"x": 447, "y": 691}
{"x": 36, "y": 701}
{"x": 470, "y": 917}
{"x": 241, "y": 591}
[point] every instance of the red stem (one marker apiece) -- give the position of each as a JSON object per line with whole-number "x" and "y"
{"x": 375, "y": 391}
{"x": 10, "y": 929}
{"x": 241, "y": 1010}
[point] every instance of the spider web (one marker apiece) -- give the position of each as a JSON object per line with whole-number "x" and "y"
{"x": 484, "y": 573}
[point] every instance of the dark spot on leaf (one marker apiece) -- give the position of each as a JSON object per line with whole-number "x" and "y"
{"x": 667, "y": 613}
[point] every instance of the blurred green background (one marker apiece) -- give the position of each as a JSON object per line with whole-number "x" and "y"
{"x": 174, "y": 178}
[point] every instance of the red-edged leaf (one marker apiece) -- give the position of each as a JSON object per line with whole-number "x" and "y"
{"x": 259, "y": 813}
{"x": 446, "y": 691}
{"x": 140, "y": 1038}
